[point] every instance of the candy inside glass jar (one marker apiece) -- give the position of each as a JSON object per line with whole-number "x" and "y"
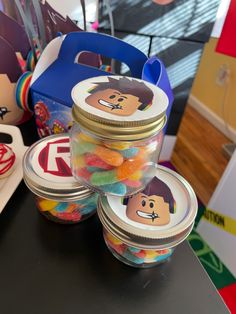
{"x": 117, "y": 134}
{"x": 48, "y": 175}
{"x": 143, "y": 230}
{"x": 134, "y": 256}
{"x": 113, "y": 167}
{"x": 67, "y": 212}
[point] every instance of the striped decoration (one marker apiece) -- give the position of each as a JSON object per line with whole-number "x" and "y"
{"x": 30, "y": 64}
{"x": 22, "y": 91}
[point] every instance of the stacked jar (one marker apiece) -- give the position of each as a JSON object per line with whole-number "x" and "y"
{"x": 47, "y": 173}
{"x": 117, "y": 135}
{"x": 146, "y": 210}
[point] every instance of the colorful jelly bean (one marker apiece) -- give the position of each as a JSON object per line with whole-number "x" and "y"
{"x": 118, "y": 145}
{"x": 130, "y": 152}
{"x": 47, "y": 205}
{"x": 116, "y": 188}
{"x": 128, "y": 168}
{"x": 132, "y": 183}
{"x": 79, "y": 161}
{"x": 109, "y": 156}
{"x": 84, "y": 173}
{"x": 87, "y": 138}
{"x": 137, "y": 175}
{"x": 133, "y": 255}
{"x": 102, "y": 163}
{"x": 104, "y": 178}
{"x": 68, "y": 211}
{"x": 95, "y": 161}
{"x": 121, "y": 173}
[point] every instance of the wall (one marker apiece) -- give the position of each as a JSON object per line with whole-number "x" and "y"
{"x": 209, "y": 98}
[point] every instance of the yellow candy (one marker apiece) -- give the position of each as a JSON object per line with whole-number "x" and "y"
{"x": 47, "y": 205}
{"x": 114, "y": 240}
{"x": 79, "y": 161}
{"x": 136, "y": 176}
{"x": 87, "y": 138}
{"x": 118, "y": 145}
{"x": 53, "y": 212}
{"x": 150, "y": 253}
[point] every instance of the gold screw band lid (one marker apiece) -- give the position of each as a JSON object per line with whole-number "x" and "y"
{"x": 119, "y": 107}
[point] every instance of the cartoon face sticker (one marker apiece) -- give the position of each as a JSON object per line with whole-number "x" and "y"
{"x": 10, "y": 113}
{"x": 152, "y": 206}
{"x": 122, "y": 97}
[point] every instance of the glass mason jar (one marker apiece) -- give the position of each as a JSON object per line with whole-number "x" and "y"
{"x": 117, "y": 133}
{"x": 47, "y": 173}
{"x": 144, "y": 229}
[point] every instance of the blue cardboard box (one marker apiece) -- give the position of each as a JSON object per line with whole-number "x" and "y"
{"x": 51, "y": 91}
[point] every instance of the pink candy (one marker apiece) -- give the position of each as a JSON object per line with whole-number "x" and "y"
{"x": 132, "y": 183}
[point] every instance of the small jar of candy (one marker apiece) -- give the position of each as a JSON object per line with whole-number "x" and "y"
{"x": 143, "y": 230}
{"x": 117, "y": 133}
{"x": 47, "y": 173}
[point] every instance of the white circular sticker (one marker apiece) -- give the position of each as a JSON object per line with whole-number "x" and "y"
{"x": 51, "y": 160}
{"x": 161, "y": 205}
{"x": 120, "y": 98}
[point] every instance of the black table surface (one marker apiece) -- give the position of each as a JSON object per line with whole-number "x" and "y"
{"x": 48, "y": 268}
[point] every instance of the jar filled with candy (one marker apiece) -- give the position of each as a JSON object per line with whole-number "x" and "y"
{"x": 117, "y": 133}
{"x": 47, "y": 174}
{"x": 143, "y": 230}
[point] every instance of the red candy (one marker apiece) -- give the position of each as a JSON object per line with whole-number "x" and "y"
{"x": 132, "y": 183}
{"x": 94, "y": 161}
{"x": 75, "y": 216}
{"x": 140, "y": 254}
{"x": 84, "y": 173}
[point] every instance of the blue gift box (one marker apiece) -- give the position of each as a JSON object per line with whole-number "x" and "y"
{"x": 51, "y": 91}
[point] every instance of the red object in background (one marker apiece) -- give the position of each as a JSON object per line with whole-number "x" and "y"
{"x": 162, "y": 2}
{"x": 227, "y": 43}
{"x": 228, "y": 293}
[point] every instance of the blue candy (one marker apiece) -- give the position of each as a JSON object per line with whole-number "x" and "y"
{"x": 61, "y": 207}
{"x": 116, "y": 188}
{"x": 87, "y": 209}
{"x": 133, "y": 249}
{"x": 130, "y": 152}
{"x": 163, "y": 257}
{"x": 132, "y": 258}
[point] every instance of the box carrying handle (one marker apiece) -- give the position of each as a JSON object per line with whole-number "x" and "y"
{"x": 155, "y": 72}
{"x": 105, "y": 45}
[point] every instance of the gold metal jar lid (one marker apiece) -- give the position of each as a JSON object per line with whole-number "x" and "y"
{"x": 159, "y": 217}
{"x": 47, "y": 171}
{"x": 119, "y": 107}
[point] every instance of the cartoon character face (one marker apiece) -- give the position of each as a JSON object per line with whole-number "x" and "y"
{"x": 113, "y": 101}
{"x": 148, "y": 210}
{"x": 122, "y": 97}
{"x": 10, "y": 113}
{"x": 153, "y": 205}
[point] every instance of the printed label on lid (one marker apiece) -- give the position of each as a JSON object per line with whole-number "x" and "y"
{"x": 51, "y": 161}
{"x": 120, "y": 98}
{"x": 161, "y": 205}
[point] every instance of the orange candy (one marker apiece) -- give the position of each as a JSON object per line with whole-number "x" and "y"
{"x": 129, "y": 167}
{"x": 109, "y": 156}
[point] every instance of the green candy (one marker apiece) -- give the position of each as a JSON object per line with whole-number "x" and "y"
{"x": 103, "y": 178}
{"x": 83, "y": 147}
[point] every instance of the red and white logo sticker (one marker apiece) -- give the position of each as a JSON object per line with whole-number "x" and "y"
{"x": 52, "y": 161}
{"x": 54, "y": 158}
